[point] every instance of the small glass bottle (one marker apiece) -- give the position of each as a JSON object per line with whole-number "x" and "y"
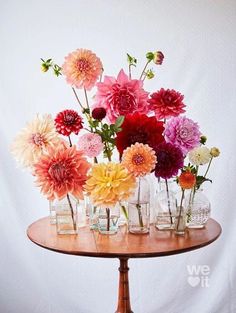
{"x": 139, "y": 208}
{"x": 66, "y": 215}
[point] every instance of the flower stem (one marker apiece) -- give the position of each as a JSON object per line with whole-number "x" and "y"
{"x": 70, "y": 141}
{"x": 108, "y": 218}
{"x": 180, "y": 210}
{"x": 77, "y": 98}
{"x": 144, "y": 69}
{"x": 168, "y": 201}
{"x": 86, "y": 98}
{"x": 138, "y": 206}
{"x": 208, "y": 167}
{"x": 129, "y": 71}
{"x": 124, "y": 211}
{"x": 72, "y": 212}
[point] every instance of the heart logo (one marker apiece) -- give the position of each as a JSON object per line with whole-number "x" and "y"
{"x": 193, "y": 281}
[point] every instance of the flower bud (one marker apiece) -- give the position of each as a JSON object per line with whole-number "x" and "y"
{"x": 44, "y": 67}
{"x": 150, "y": 74}
{"x": 203, "y": 140}
{"x": 215, "y": 152}
{"x": 150, "y": 56}
{"x": 158, "y": 57}
{"x": 99, "y": 113}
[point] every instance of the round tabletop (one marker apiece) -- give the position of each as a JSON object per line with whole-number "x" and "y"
{"x": 123, "y": 244}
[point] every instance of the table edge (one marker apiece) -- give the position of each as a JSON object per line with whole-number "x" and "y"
{"x": 127, "y": 255}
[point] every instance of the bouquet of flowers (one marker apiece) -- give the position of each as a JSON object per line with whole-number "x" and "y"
{"x": 124, "y": 134}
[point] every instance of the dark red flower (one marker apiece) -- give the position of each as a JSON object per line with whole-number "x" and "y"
{"x": 139, "y": 128}
{"x": 158, "y": 57}
{"x": 166, "y": 103}
{"x": 67, "y": 122}
{"x": 99, "y": 113}
{"x": 169, "y": 160}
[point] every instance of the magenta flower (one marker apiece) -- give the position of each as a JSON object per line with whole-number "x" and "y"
{"x": 169, "y": 160}
{"x": 183, "y": 133}
{"x": 90, "y": 144}
{"x": 121, "y": 96}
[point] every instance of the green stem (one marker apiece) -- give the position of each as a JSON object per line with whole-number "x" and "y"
{"x": 209, "y": 164}
{"x": 108, "y": 218}
{"x": 144, "y": 69}
{"x": 138, "y": 206}
{"x": 72, "y": 212}
{"x": 180, "y": 210}
{"x": 70, "y": 141}
{"x": 124, "y": 211}
{"x": 77, "y": 98}
{"x": 129, "y": 71}
{"x": 86, "y": 98}
{"x": 168, "y": 201}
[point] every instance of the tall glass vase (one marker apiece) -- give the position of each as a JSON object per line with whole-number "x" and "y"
{"x": 180, "y": 215}
{"x": 165, "y": 205}
{"x": 139, "y": 208}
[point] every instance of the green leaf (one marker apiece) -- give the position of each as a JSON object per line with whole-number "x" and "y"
{"x": 201, "y": 180}
{"x": 119, "y": 121}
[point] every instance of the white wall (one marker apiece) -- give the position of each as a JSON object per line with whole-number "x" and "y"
{"x": 198, "y": 40}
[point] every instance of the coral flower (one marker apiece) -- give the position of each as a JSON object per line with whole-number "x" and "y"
{"x": 169, "y": 160}
{"x": 139, "y": 128}
{"x": 62, "y": 171}
{"x": 82, "y": 68}
{"x": 121, "y": 96}
{"x": 166, "y": 103}
{"x": 182, "y": 132}
{"x": 67, "y": 122}
{"x": 34, "y": 139}
{"x": 91, "y": 144}
{"x": 139, "y": 159}
{"x": 187, "y": 180}
{"x": 109, "y": 183}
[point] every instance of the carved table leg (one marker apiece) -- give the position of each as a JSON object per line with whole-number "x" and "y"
{"x": 123, "y": 299}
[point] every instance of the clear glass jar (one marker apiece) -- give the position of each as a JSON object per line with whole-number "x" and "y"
{"x": 165, "y": 205}
{"x": 66, "y": 215}
{"x": 198, "y": 209}
{"x": 108, "y": 220}
{"x": 180, "y": 221}
{"x": 139, "y": 208}
{"x": 52, "y": 213}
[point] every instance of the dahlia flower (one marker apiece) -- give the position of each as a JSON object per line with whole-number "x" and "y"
{"x": 99, "y": 113}
{"x": 67, "y": 122}
{"x": 215, "y": 152}
{"x": 139, "y": 159}
{"x": 158, "y": 57}
{"x": 166, "y": 103}
{"x": 169, "y": 160}
{"x": 121, "y": 96}
{"x": 183, "y": 133}
{"x": 34, "y": 139}
{"x": 187, "y": 180}
{"x": 82, "y": 68}
{"x": 199, "y": 156}
{"x": 109, "y": 183}
{"x": 91, "y": 144}
{"x": 61, "y": 171}
{"x": 139, "y": 128}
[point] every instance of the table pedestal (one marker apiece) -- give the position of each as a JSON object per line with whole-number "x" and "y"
{"x": 123, "y": 298}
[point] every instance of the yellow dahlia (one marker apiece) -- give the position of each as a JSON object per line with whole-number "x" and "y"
{"x": 82, "y": 68}
{"x": 139, "y": 159}
{"x": 109, "y": 183}
{"x": 34, "y": 139}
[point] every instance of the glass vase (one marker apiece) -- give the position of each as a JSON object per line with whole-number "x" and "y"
{"x": 108, "y": 220}
{"x": 180, "y": 214}
{"x": 198, "y": 209}
{"x": 139, "y": 208}
{"x": 67, "y": 215}
{"x": 52, "y": 213}
{"x": 165, "y": 205}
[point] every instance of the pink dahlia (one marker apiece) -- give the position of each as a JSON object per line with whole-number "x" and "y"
{"x": 166, "y": 103}
{"x": 183, "y": 133}
{"x": 121, "y": 96}
{"x": 67, "y": 122}
{"x": 61, "y": 171}
{"x": 91, "y": 144}
{"x": 169, "y": 160}
{"x": 82, "y": 68}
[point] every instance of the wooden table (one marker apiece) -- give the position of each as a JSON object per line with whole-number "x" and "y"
{"x": 123, "y": 246}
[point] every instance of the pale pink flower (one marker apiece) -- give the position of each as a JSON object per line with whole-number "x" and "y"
{"x": 91, "y": 144}
{"x": 183, "y": 133}
{"x": 121, "y": 96}
{"x": 82, "y": 68}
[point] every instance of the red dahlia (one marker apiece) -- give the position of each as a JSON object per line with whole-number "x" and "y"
{"x": 139, "y": 128}
{"x": 67, "y": 122}
{"x": 166, "y": 103}
{"x": 99, "y": 113}
{"x": 169, "y": 160}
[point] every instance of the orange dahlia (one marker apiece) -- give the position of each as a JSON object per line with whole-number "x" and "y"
{"x": 62, "y": 171}
{"x": 187, "y": 180}
{"x": 82, "y": 68}
{"x": 139, "y": 159}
